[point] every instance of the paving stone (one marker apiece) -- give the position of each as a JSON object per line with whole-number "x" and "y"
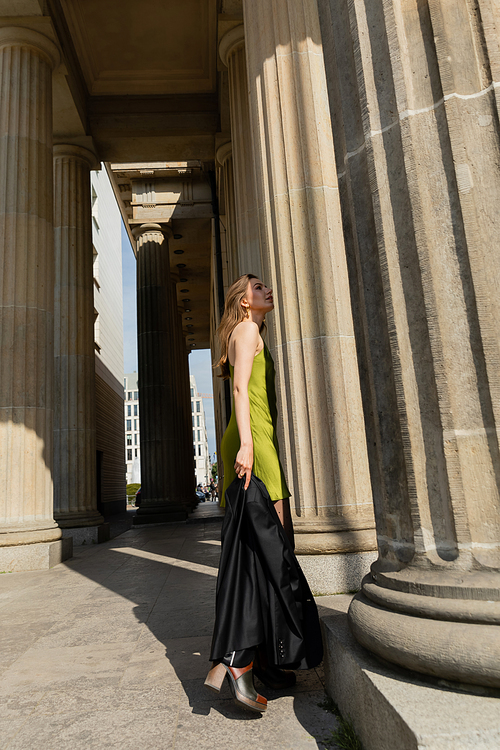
{"x": 111, "y": 650}
{"x": 126, "y": 729}
{"x": 55, "y": 667}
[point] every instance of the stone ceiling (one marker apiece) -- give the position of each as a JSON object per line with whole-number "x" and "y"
{"x": 155, "y": 48}
{"x": 141, "y": 82}
{"x": 149, "y": 70}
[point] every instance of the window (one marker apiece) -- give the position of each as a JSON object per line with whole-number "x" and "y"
{"x": 135, "y": 410}
{"x": 129, "y": 439}
{"x": 129, "y": 454}
{"x": 135, "y": 439}
{"x": 129, "y": 424}
{"x": 129, "y": 411}
{"x": 136, "y": 452}
{"x": 198, "y": 404}
{"x": 199, "y": 435}
{"x": 198, "y": 421}
{"x": 136, "y": 395}
{"x": 193, "y": 419}
{"x": 192, "y": 392}
{"x": 135, "y": 424}
{"x": 95, "y": 208}
{"x": 199, "y": 450}
{"x": 97, "y": 331}
{"x": 194, "y": 450}
{"x": 95, "y": 271}
{"x": 192, "y": 406}
{"x": 129, "y": 396}
{"x": 194, "y": 436}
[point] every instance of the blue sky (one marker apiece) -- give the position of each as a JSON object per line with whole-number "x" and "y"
{"x": 200, "y": 364}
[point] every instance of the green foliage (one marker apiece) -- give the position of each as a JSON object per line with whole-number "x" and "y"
{"x": 214, "y": 470}
{"x": 345, "y": 737}
{"x": 132, "y": 489}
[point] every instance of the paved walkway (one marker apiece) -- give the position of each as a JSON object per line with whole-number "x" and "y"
{"x": 110, "y": 650}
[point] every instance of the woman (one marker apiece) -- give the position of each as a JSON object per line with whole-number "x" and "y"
{"x": 248, "y": 361}
{"x": 264, "y": 605}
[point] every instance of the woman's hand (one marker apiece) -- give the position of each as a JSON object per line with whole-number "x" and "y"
{"x": 244, "y": 462}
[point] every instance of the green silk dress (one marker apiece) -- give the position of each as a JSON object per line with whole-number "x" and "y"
{"x": 263, "y": 415}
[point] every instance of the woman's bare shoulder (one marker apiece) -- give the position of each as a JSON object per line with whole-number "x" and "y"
{"x": 246, "y": 332}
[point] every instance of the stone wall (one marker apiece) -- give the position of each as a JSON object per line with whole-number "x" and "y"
{"x": 110, "y": 441}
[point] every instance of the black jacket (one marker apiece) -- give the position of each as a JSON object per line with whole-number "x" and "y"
{"x": 262, "y": 594}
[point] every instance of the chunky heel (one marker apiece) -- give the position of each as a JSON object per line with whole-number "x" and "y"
{"x": 215, "y": 677}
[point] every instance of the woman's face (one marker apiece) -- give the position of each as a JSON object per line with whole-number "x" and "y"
{"x": 259, "y": 297}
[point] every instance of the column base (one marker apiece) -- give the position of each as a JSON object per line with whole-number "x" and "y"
{"x": 20, "y": 537}
{"x": 77, "y": 520}
{"x": 451, "y": 638}
{"x": 160, "y": 514}
{"x": 336, "y": 574}
{"x": 333, "y": 542}
{"x": 390, "y": 707}
{"x": 42, "y": 556}
{"x": 88, "y": 534}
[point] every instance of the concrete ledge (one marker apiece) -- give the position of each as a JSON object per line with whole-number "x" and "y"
{"x": 88, "y": 534}
{"x": 336, "y": 574}
{"x": 395, "y": 708}
{"x": 35, "y": 556}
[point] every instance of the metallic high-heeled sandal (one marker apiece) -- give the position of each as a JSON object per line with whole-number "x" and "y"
{"x": 241, "y": 684}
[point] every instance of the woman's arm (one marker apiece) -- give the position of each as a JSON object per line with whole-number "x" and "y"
{"x": 246, "y": 341}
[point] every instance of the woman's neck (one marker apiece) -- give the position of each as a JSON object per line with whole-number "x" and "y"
{"x": 256, "y": 317}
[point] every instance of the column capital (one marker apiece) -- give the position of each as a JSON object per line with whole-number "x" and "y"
{"x": 231, "y": 41}
{"x": 11, "y": 36}
{"x": 150, "y": 228}
{"x": 73, "y": 151}
{"x": 224, "y": 152}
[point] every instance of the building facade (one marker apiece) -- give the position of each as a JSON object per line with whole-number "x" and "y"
{"x": 132, "y": 428}
{"x": 348, "y": 152}
{"x": 108, "y": 344}
{"x": 202, "y": 465}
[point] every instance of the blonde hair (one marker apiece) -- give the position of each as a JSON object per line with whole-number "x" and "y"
{"x": 233, "y": 314}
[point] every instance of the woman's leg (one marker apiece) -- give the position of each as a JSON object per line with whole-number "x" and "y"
{"x": 285, "y": 516}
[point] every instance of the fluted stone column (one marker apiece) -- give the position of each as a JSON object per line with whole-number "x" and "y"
{"x": 178, "y": 376}
{"x": 232, "y": 53}
{"x": 185, "y": 422}
{"x": 413, "y": 98}
{"x": 26, "y": 297}
{"x": 311, "y": 337}
{"x": 161, "y": 500}
{"x": 75, "y": 501}
{"x": 224, "y": 156}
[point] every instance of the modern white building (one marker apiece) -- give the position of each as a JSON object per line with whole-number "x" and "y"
{"x": 132, "y": 431}
{"x": 108, "y": 344}
{"x": 200, "y": 440}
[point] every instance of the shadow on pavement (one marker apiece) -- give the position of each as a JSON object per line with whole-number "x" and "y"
{"x": 169, "y": 572}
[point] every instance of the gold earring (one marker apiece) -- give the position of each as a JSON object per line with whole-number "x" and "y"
{"x": 247, "y": 314}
